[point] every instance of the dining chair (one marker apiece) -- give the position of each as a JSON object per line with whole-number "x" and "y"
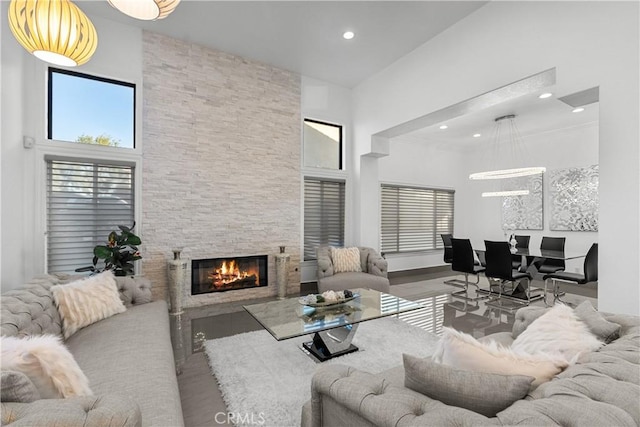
{"x": 590, "y": 274}
{"x": 464, "y": 262}
{"x": 500, "y": 268}
{"x": 522, "y": 242}
{"x": 552, "y": 265}
{"x": 448, "y": 249}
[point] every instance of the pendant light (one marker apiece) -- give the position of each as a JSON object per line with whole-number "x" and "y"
{"x": 55, "y": 31}
{"x": 146, "y": 10}
{"x": 512, "y": 150}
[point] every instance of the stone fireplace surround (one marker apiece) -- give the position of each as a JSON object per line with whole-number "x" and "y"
{"x": 221, "y": 163}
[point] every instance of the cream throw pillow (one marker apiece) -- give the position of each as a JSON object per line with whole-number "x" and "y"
{"x": 345, "y": 260}
{"x": 462, "y": 351}
{"x": 48, "y": 364}
{"x": 87, "y": 301}
{"x": 558, "y": 331}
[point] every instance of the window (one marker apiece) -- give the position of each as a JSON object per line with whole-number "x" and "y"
{"x": 85, "y": 202}
{"x": 90, "y": 110}
{"x": 322, "y": 145}
{"x": 413, "y": 218}
{"x": 323, "y": 214}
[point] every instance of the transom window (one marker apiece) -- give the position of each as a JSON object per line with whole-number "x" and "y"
{"x": 412, "y": 218}
{"x": 90, "y": 110}
{"x": 322, "y": 145}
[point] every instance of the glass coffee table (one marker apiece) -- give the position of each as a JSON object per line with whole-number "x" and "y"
{"x": 333, "y": 327}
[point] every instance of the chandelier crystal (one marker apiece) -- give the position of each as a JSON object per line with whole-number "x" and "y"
{"x": 146, "y": 10}
{"x": 55, "y": 31}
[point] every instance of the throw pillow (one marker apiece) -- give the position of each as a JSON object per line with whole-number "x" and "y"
{"x": 602, "y": 328}
{"x": 17, "y": 387}
{"x": 345, "y": 260}
{"x": 87, "y": 301}
{"x": 481, "y": 392}
{"x": 462, "y": 351}
{"x": 558, "y": 331}
{"x": 47, "y": 363}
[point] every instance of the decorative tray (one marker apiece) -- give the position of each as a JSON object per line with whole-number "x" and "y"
{"x": 327, "y": 304}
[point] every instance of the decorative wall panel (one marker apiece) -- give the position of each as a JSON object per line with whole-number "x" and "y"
{"x": 573, "y": 194}
{"x": 523, "y": 212}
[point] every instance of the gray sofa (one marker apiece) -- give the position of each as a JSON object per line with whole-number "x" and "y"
{"x": 127, "y": 358}
{"x": 602, "y": 389}
{"x": 373, "y": 275}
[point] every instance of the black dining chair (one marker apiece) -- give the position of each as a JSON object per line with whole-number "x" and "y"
{"x": 464, "y": 262}
{"x": 590, "y": 274}
{"x": 522, "y": 242}
{"x": 448, "y": 248}
{"x": 552, "y": 265}
{"x": 499, "y": 268}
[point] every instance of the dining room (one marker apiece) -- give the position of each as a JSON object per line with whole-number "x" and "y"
{"x": 551, "y": 137}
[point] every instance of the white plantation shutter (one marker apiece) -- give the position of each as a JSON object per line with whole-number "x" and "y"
{"x": 413, "y": 218}
{"x": 323, "y": 214}
{"x": 85, "y": 202}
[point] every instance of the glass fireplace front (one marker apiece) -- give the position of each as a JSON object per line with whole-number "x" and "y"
{"x": 228, "y": 274}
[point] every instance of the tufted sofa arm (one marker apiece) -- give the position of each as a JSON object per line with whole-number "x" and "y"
{"x": 325, "y": 266}
{"x": 342, "y": 394}
{"x": 376, "y": 264}
{"x": 100, "y": 411}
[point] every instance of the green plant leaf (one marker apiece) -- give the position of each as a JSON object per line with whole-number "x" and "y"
{"x": 102, "y": 252}
{"x": 132, "y": 239}
{"x": 124, "y": 228}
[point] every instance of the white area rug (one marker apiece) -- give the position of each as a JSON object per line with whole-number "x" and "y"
{"x": 262, "y": 379}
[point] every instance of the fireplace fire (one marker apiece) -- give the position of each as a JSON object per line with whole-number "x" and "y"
{"x": 227, "y": 274}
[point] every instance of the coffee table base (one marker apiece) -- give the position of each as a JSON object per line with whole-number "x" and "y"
{"x": 332, "y": 343}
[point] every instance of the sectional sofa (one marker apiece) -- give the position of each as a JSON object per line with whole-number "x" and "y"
{"x": 601, "y": 389}
{"x": 127, "y": 358}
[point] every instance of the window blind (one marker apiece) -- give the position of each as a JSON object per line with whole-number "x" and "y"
{"x": 413, "y": 218}
{"x": 323, "y": 214}
{"x": 85, "y": 202}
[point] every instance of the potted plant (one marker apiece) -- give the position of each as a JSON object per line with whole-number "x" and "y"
{"x": 119, "y": 254}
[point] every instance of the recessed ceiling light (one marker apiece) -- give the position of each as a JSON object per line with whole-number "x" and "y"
{"x": 545, "y": 95}
{"x": 477, "y": 135}
{"x": 444, "y": 127}
{"x": 348, "y": 35}
{"x": 578, "y": 110}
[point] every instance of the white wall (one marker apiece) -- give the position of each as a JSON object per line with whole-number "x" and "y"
{"x": 590, "y": 44}
{"x": 329, "y": 103}
{"x": 24, "y": 101}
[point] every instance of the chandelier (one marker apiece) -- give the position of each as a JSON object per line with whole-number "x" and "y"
{"x": 147, "y": 10}
{"x": 511, "y": 151}
{"x": 55, "y": 31}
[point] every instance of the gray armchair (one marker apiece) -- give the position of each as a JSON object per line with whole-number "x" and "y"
{"x": 373, "y": 275}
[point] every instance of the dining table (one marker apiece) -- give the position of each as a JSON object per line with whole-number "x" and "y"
{"x": 532, "y": 258}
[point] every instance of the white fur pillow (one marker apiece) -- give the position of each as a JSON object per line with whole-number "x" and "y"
{"x": 47, "y": 363}
{"x": 87, "y": 301}
{"x": 345, "y": 260}
{"x": 463, "y": 351}
{"x": 559, "y": 330}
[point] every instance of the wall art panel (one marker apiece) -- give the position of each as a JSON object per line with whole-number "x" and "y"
{"x": 523, "y": 212}
{"x": 573, "y": 194}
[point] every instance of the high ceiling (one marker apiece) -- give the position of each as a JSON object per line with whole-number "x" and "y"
{"x": 306, "y": 36}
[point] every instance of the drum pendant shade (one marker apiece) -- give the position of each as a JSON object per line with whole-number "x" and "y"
{"x": 56, "y": 31}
